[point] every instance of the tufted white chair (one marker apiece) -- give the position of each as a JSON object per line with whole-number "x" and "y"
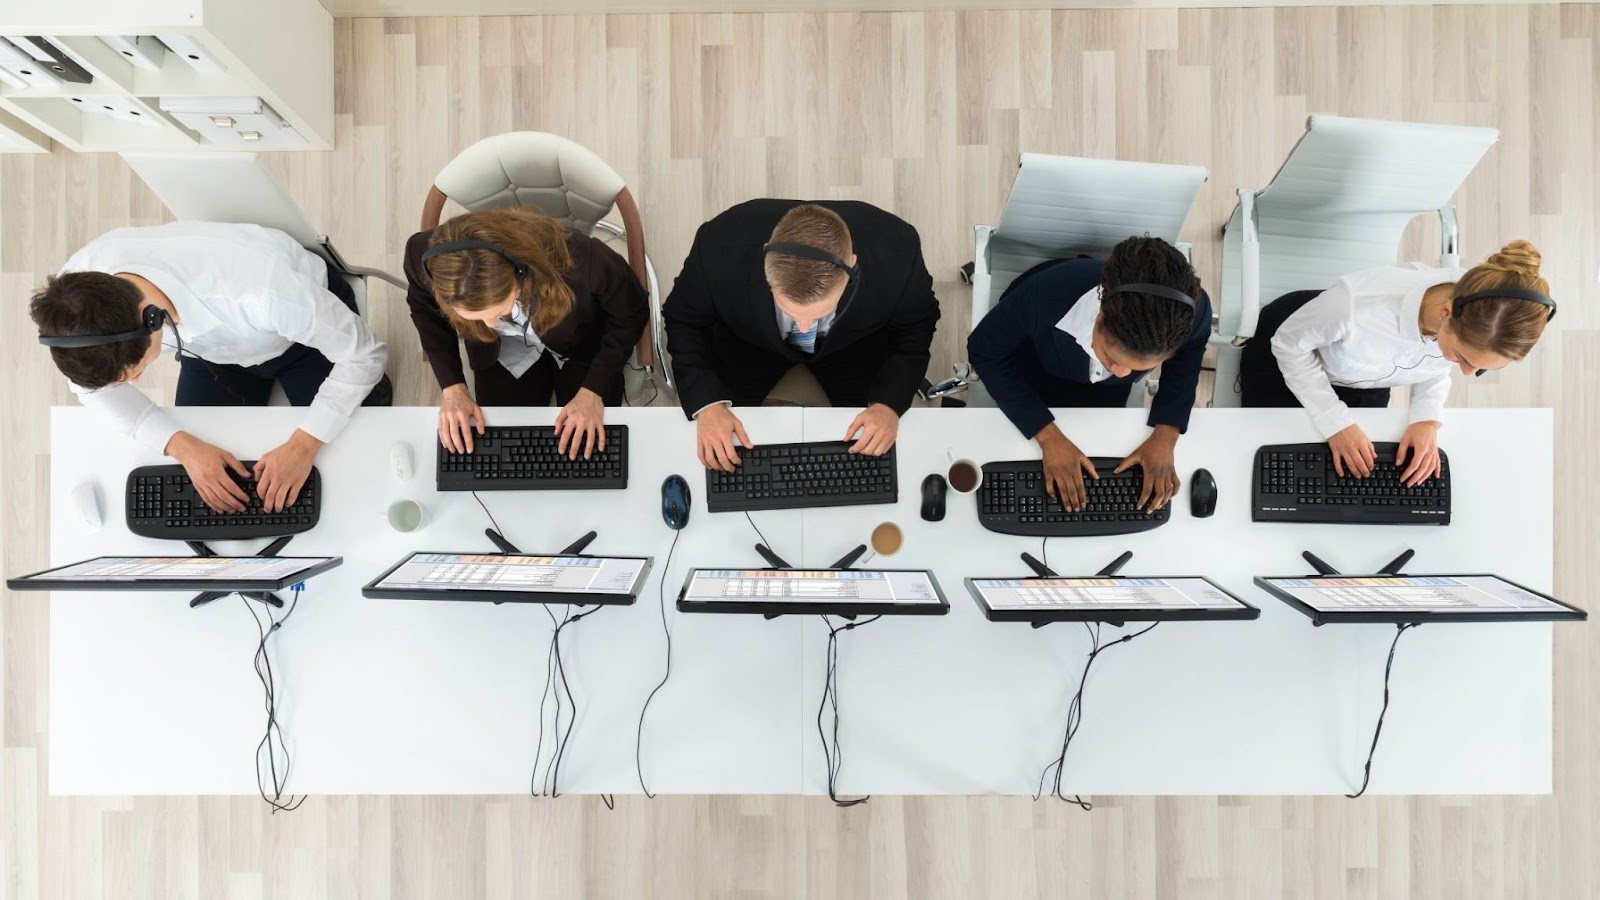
{"x": 567, "y": 182}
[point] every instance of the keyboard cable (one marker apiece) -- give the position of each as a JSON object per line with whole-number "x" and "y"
{"x": 1366, "y": 773}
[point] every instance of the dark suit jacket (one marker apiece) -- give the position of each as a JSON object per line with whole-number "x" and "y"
{"x": 722, "y": 296}
{"x": 609, "y": 312}
{"x": 1023, "y": 324}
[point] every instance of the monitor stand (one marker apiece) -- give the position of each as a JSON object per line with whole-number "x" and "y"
{"x": 267, "y": 597}
{"x": 575, "y": 548}
{"x": 1044, "y": 571}
{"x": 777, "y": 563}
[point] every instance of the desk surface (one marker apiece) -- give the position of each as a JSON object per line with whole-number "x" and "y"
{"x": 392, "y": 696}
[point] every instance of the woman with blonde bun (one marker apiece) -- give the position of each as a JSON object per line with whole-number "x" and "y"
{"x": 1347, "y": 346}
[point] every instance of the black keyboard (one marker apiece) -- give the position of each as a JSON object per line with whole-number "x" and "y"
{"x": 524, "y": 458}
{"x": 1012, "y": 500}
{"x": 795, "y": 476}
{"x": 162, "y": 503}
{"x": 1297, "y": 483}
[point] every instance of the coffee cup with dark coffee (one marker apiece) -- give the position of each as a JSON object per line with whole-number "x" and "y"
{"x": 964, "y": 476}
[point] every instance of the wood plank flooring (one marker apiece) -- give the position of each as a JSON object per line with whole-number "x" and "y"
{"x": 922, "y": 113}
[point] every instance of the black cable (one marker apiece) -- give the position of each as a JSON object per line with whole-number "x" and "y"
{"x": 554, "y": 769}
{"x": 1044, "y": 551}
{"x": 549, "y": 675}
{"x": 1366, "y": 774}
{"x": 486, "y": 512}
{"x": 661, "y": 598}
{"x": 1075, "y": 715}
{"x": 763, "y": 537}
{"x": 833, "y": 756}
{"x": 272, "y": 740}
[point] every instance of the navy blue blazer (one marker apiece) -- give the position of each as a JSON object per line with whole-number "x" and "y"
{"x": 1023, "y": 325}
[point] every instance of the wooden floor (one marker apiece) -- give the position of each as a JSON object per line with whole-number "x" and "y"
{"x": 923, "y": 114}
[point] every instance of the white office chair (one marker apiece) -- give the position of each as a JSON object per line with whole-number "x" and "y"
{"x": 565, "y": 181}
{"x": 1063, "y": 206}
{"x": 1339, "y": 204}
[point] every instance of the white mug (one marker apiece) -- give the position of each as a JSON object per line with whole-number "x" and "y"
{"x": 886, "y": 540}
{"x": 405, "y": 516}
{"x": 955, "y": 483}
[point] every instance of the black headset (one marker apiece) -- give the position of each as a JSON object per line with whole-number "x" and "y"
{"x": 1154, "y": 289}
{"x": 152, "y": 320}
{"x": 1457, "y": 304}
{"x": 813, "y": 253}
{"x": 1514, "y": 293}
{"x": 517, "y": 265}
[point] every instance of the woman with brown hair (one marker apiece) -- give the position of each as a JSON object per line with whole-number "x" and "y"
{"x": 1346, "y": 346}
{"x": 545, "y": 313}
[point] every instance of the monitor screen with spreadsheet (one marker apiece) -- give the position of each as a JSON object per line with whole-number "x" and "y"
{"x": 815, "y": 591}
{"x": 1102, "y": 598}
{"x": 177, "y": 573}
{"x": 1416, "y": 598}
{"x": 515, "y": 578}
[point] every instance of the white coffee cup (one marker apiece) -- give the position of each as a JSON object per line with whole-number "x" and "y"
{"x": 886, "y": 540}
{"x": 405, "y": 516}
{"x": 964, "y": 476}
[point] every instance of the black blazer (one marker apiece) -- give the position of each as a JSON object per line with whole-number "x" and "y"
{"x": 722, "y": 296}
{"x": 609, "y": 311}
{"x": 1023, "y": 324}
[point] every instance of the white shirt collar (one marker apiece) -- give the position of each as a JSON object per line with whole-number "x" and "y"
{"x": 1079, "y": 322}
{"x": 193, "y": 316}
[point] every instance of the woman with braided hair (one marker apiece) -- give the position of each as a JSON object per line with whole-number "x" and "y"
{"x": 1328, "y": 351}
{"x": 1080, "y": 333}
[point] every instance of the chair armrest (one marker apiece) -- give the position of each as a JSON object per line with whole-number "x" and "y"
{"x": 980, "y": 273}
{"x": 1249, "y": 268}
{"x": 1449, "y": 237}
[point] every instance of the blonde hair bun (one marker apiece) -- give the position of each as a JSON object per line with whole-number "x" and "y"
{"x": 1515, "y": 258}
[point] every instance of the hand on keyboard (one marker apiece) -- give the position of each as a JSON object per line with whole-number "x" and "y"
{"x": 1420, "y": 447}
{"x": 1064, "y": 468}
{"x": 1155, "y": 457}
{"x": 581, "y": 425}
{"x": 458, "y": 414}
{"x": 878, "y": 425}
{"x": 716, "y": 427}
{"x": 208, "y": 467}
{"x": 1352, "y": 451}
{"x": 281, "y": 472}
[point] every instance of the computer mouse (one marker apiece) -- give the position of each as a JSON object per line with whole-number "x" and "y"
{"x": 400, "y": 461}
{"x": 675, "y": 502}
{"x": 1202, "y": 494}
{"x": 933, "y": 491}
{"x": 87, "y": 512}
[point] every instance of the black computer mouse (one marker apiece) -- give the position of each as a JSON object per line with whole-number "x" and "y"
{"x": 675, "y": 502}
{"x": 933, "y": 490}
{"x": 1202, "y": 494}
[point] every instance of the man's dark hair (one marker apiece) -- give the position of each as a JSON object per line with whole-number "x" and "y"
{"x": 1147, "y": 326}
{"x": 91, "y": 303}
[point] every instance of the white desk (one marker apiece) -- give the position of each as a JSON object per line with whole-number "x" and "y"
{"x": 385, "y": 696}
{"x": 961, "y": 705}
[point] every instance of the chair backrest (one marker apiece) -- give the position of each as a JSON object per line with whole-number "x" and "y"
{"x": 559, "y": 177}
{"x": 1065, "y": 206}
{"x": 223, "y": 187}
{"x": 1342, "y": 200}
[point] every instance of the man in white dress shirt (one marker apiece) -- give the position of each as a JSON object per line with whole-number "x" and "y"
{"x": 244, "y": 307}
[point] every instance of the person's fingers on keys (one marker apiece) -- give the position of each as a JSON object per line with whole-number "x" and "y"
{"x": 729, "y": 454}
{"x": 744, "y": 439}
{"x": 593, "y": 442}
{"x": 850, "y": 432}
{"x": 281, "y": 495}
{"x": 863, "y": 443}
{"x": 563, "y": 431}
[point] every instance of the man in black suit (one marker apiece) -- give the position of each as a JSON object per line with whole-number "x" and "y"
{"x": 837, "y": 286}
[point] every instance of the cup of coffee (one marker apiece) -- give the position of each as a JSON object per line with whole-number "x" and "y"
{"x": 964, "y": 476}
{"x": 405, "y": 516}
{"x": 886, "y": 540}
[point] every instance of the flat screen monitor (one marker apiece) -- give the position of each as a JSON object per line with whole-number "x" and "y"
{"x": 1400, "y": 599}
{"x": 177, "y": 573}
{"x": 513, "y": 578}
{"x": 844, "y": 592}
{"x": 1102, "y": 598}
